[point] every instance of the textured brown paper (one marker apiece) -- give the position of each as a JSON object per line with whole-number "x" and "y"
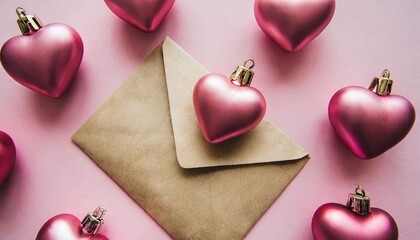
{"x": 132, "y": 139}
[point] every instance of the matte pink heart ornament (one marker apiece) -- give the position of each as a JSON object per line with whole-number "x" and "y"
{"x": 370, "y": 123}
{"x": 7, "y": 156}
{"x": 145, "y": 15}
{"x": 357, "y": 220}
{"x": 292, "y": 24}
{"x": 69, "y": 227}
{"x": 227, "y": 108}
{"x": 44, "y": 59}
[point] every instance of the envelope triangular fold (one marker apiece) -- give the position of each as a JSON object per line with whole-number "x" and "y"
{"x": 265, "y": 143}
{"x": 130, "y": 137}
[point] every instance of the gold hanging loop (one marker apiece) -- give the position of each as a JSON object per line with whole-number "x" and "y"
{"x": 27, "y": 23}
{"x": 243, "y": 75}
{"x": 382, "y": 84}
{"x": 358, "y": 202}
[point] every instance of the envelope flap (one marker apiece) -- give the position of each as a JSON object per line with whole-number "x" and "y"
{"x": 266, "y": 143}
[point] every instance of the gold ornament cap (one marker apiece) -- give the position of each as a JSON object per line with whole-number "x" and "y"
{"x": 383, "y": 84}
{"x": 93, "y": 221}
{"x": 358, "y": 202}
{"x": 27, "y": 23}
{"x": 243, "y": 75}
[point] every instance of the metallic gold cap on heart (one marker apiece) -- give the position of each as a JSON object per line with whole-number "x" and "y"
{"x": 383, "y": 84}
{"x": 243, "y": 75}
{"x": 27, "y": 23}
{"x": 93, "y": 221}
{"x": 358, "y": 202}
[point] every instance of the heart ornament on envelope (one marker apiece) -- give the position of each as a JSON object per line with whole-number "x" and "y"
{"x": 227, "y": 108}
{"x": 145, "y": 15}
{"x": 193, "y": 189}
{"x": 292, "y": 24}
{"x": 45, "y": 58}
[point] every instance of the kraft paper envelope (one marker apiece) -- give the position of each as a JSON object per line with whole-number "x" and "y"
{"x": 147, "y": 139}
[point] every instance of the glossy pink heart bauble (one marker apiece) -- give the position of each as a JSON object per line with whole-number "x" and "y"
{"x": 65, "y": 227}
{"x": 292, "y": 24}
{"x": 7, "y": 156}
{"x": 225, "y": 110}
{"x": 368, "y": 123}
{"x": 145, "y": 15}
{"x": 336, "y": 222}
{"x": 45, "y": 61}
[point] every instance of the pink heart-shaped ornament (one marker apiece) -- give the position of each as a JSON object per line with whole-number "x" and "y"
{"x": 65, "y": 226}
{"x": 292, "y": 24}
{"x": 225, "y": 110}
{"x": 45, "y": 61}
{"x": 7, "y": 156}
{"x": 334, "y": 221}
{"x": 145, "y": 15}
{"x": 368, "y": 123}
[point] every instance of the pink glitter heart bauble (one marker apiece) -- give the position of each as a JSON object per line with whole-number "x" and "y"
{"x": 145, "y": 15}
{"x": 292, "y": 24}
{"x": 46, "y": 60}
{"x": 225, "y": 110}
{"x": 368, "y": 123}
{"x": 334, "y": 221}
{"x": 7, "y": 156}
{"x": 65, "y": 226}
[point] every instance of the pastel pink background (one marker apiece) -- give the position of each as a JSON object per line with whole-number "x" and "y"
{"x": 53, "y": 176}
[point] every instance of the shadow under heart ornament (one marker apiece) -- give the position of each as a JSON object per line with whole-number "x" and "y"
{"x": 292, "y": 24}
{"x": 227, "y": 108}
{"x": 145, "y": 15}
{"x": 45, "y": 58}
{"x": 369, "y": 122}
{"x": 356, "y": 220}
